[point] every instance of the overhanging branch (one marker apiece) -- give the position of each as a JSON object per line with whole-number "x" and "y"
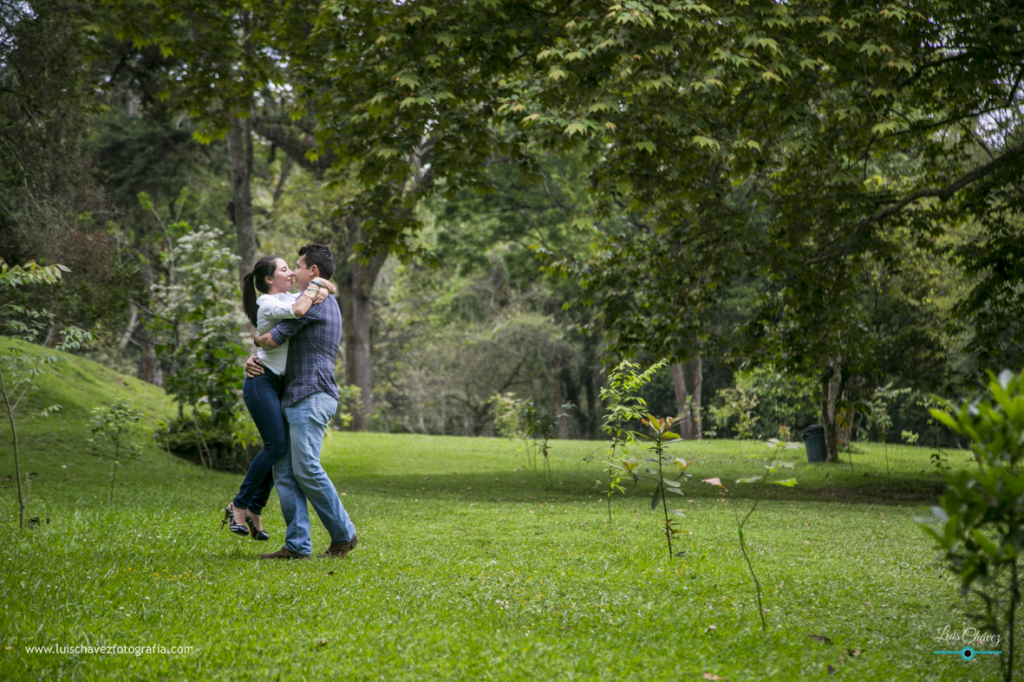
{"x": 942, "y": 193}
{"x": 292, "y": 145}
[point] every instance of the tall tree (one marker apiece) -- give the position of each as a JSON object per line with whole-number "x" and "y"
{"x": 224, "y": 56}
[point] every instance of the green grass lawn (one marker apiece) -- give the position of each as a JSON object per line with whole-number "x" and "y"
{"x": 470, "y": 566}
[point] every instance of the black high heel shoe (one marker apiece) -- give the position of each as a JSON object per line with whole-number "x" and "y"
{"x": 259, "y": 535}
{"x": 229, "y": 515}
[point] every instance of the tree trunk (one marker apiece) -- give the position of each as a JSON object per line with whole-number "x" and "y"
{"x": 695, "y": 374}
{"x": 240, "y": 158}
{"x": 589, "y": 375}
{"x": 682, "y": 401}
{"x": 149, "y": 365}
{"x": 845, "y": 431}
{"x": 17, "y": 455}
{"x": 831, "y": 387}
{"x": 590, "y": 370}
{"x": 355, "y": 282}
{"x": 562, "y": 422}
{"x": 687, "y": 383}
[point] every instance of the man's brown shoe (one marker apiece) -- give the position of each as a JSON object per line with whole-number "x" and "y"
{"x": 338, "y": 550}
{"x": 284, "y": 553}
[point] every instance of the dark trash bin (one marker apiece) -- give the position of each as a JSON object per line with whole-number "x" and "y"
{"x": 814, "y": 440}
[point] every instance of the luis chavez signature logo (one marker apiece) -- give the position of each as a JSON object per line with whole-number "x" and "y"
{"x": 949, "y": 636}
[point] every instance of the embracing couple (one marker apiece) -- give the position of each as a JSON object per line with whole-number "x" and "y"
{"x": 290, "y": 392}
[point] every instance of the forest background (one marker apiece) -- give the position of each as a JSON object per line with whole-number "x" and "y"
{"x": 805, "y": 208}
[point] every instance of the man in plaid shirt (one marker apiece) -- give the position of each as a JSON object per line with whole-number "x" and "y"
{"x": 309, "y": 402}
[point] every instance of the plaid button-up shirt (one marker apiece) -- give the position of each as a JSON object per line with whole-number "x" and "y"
{"x": 313, "y": 345}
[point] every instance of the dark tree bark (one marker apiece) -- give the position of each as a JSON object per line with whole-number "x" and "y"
{"x": 832, "y": 381}
{"x": 695, "y": 374}
{"x": 588, "y": 373}
{"x": 149, "y": 366}
{"x": 240, "y": 158}
{"x": 355, "y": 282}
{"x": 687, "y": 383}
{"x": 563, "y": 424}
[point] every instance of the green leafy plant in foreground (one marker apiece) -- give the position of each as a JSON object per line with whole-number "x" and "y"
{"x": 116, "y": 423}
{"x": 622, "y": 406}
{"x": 659, "y": 436}
{"x": 979, "y": 521}
{"x": 771, "y": 465}
{"x": 18, "y": 370}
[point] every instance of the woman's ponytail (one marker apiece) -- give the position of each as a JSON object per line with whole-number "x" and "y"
{"x": 255, "y": 283}
{"x": 249, "y": 297}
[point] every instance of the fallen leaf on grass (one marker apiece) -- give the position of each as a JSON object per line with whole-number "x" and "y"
{"x": 712, "y": 676}
{"x": 710, "y": 628}
{"x": 714, "y": 481}
{"x": 832, "y": 671}
{"x": 853, "y": 652}
{"x": 821, "y": 638}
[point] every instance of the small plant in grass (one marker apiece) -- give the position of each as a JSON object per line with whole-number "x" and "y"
{"x": 522, "y": 419}
{"x": 18, "y": 370}
{"x": 771, "y": 466}
{"x": 877, "y": 411}
{"x": 116, "y": 423}
{"x": 160, "y": 436}
{"x": 979, "y": 521}
{"x": 938, "y": 455}
{"x": 622, "y": 406}
{"x": 660, "y": 434}
{"x": 740, "y": 402}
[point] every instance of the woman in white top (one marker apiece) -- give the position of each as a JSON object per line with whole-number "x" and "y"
{"x": 272, "y": 280}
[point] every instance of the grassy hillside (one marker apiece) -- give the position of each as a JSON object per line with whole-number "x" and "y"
{"x": 54, "y": 448}
{"x": 471, "y": 565}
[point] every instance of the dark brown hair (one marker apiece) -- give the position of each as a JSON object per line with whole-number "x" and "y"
{"x": 256, "y": 281}
{"x": 320, "y": 256}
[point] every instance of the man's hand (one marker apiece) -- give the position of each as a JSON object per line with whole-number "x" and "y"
{"x": 253, "y": 368}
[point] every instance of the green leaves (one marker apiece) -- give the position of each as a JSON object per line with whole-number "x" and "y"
{"x": 979, "y": 522}
{"x": 706, "y": 142}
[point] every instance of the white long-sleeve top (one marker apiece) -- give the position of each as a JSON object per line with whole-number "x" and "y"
{"x": 273, "y": 309}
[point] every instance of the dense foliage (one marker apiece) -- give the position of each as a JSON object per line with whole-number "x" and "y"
{"x": 804, "y": 202}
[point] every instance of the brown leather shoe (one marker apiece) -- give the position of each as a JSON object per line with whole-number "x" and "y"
{"x": 338, "y": 550}
{"x": 284, "y": 553}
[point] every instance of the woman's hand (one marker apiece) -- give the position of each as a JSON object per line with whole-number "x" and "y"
{"x": 318, "y": 290}
{"x": 326, "y": 284}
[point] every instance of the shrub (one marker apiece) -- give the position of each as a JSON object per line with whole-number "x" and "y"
{"x": 979, "y": 522}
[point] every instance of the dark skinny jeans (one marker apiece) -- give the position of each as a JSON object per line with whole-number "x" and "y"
{"x": 262, "y": 396}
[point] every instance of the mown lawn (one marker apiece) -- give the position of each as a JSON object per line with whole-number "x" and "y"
{"x": 471, "y": 565}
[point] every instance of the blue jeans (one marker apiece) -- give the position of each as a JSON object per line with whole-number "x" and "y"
{"x": 262, "y": 397}
{"x": 300, "y": 477}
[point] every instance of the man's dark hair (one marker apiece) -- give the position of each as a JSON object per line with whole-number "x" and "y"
{"x": 320, "y": 256}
